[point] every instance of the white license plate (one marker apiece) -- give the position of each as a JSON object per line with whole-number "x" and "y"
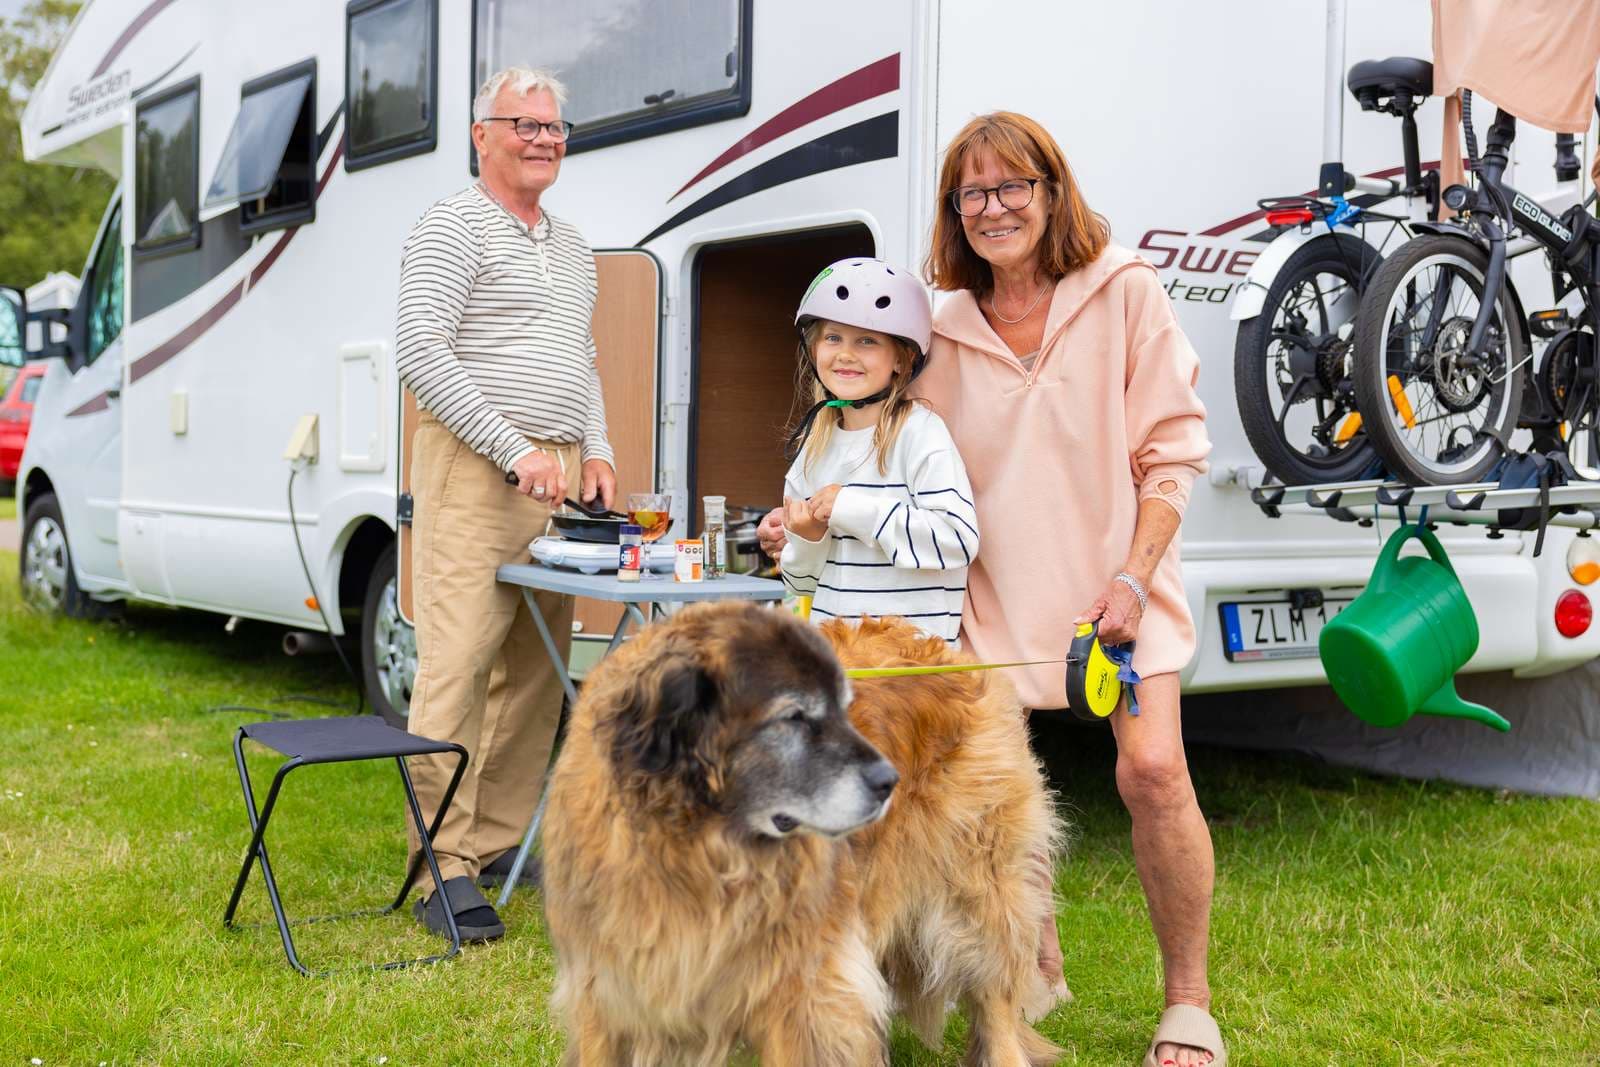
{"x": 1274, "y": 629}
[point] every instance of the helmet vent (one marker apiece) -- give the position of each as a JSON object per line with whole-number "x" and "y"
{"x": 842, "y": 293}
{"x": 882, "y": 302}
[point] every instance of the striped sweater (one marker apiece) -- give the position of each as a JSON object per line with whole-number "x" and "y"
{"x": 900, "y": 541}
{"x": 493, "y": 329}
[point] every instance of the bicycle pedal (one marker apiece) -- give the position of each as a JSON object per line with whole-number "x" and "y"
{"x": 1549, "y": 323}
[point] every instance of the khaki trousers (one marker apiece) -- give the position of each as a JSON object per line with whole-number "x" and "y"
{"x": 484, "y": 679}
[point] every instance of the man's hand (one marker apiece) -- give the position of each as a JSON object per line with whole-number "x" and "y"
{"x": 801, "y": 521}
{"x": 770, "y": 534}
{"x": 539, "y": 475}
{"x": 822, "y": 503}
{"x": 598, "y": 480}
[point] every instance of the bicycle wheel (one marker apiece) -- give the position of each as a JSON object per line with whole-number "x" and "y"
{"x": 1436, "y": 414}
{"x": 1291, "y": 365}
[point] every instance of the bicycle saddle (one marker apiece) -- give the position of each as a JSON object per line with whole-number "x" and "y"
{"x": 1374, "y": 79}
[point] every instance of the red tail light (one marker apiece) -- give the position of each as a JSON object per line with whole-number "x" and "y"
{"x": 1289, "y": 217}
{"x": 1573, "y": 613}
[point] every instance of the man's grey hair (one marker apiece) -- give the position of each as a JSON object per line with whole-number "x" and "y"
{"x": 522, "y": 81}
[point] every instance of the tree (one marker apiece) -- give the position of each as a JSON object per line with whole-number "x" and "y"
{"x": 48, "y": 214}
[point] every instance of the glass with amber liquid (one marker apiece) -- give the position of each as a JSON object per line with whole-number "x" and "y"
{"x": 649, "y": 511}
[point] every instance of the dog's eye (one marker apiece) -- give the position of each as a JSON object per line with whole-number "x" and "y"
{"x": 797, "y": 716}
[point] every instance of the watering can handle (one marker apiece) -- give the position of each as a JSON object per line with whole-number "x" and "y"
{"x": 1391, "y": 553}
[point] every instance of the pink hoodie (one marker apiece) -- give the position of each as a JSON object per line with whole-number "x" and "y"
{"x": 1061, "y": 457}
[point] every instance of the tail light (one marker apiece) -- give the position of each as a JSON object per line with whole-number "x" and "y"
{"x": 1583, "y": 560}
{"x": 1573, "y": 613}
{"x": 1290, "y": 217}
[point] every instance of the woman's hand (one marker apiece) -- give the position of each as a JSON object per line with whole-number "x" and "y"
{"x": 770, "y": 535}
{"x": 1118, "y": 612}
{"x": 802, "y": 521}
{"x": 822, "y": 503}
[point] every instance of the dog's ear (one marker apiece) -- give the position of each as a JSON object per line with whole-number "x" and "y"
{"x": 660, "y": 729}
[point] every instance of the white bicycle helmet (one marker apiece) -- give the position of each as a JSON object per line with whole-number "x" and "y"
{"x": 870, "y": 295}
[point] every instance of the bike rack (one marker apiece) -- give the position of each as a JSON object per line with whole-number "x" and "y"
{"x": 1574, "y": 506}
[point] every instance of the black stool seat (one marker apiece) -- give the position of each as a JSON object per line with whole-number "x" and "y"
{"x": 311, "y": 741}
{"x": 1386, "y": 77}
{"x": 353, "y": 737}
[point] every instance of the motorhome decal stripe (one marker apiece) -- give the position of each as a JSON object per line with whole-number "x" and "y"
{"x": 872, "y": 80}
{"x": 159, "y": 78}
{"x": 863, "y": 142}
{"x": 129, "y": 34}
{"x": 89, "y": 407}
{"x": 1255, "y": 216}
{"x": 326, "y": 134}
{"x": 191, "y": 333}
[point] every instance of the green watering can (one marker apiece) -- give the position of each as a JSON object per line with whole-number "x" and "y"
{"x": 1394, "y": 651}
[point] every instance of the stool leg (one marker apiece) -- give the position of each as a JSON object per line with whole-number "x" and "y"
{"x": 258, "y": 849}
{"x": 438, "y": 821}
{"x": 426, "y": 834}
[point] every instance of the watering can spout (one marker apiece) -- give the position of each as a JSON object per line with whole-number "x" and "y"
{"x": 1449, "y": 704}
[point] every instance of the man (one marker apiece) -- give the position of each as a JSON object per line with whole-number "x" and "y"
{"x": 493, "y": 338}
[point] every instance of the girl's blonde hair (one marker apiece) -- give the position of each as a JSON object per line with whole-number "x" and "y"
{"x": 891, "y": 416}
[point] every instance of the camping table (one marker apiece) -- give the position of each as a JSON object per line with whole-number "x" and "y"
{"x": 655, "y": 593}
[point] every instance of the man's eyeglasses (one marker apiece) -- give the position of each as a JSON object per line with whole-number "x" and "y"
{"x": 528, "y": 129}
{"x": 1014, "y": 195}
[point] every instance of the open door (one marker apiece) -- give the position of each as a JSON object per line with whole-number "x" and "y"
{"x": 627, "y": 340}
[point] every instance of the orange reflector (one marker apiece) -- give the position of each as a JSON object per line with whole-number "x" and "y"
{"x": 311, "y": 602}
{"x": 1566, "y": 428}
{"x": 1586, "y": 573}
{"x": 1397, "y": 393}
{"x": 1347, "y": 428}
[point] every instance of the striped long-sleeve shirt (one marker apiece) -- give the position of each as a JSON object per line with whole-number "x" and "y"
{"x": 493, "y": 329}
{"x": 900, "y": 541}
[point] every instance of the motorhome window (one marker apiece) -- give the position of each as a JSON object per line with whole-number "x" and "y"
{"x": 391, "y": 91}
{"x": 631, "y": 69}
{"x": 268, "y": 164}
{"x": 167, "y": 171}
{"x": 105, "y": 290}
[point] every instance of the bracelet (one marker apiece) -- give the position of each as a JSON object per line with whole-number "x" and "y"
{"x": 1138, "y": 590}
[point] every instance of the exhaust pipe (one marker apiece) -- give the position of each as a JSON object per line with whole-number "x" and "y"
{"x": 301, "y": 643}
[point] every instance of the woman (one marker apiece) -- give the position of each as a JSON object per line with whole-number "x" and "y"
{"x": 1068, "y": 387}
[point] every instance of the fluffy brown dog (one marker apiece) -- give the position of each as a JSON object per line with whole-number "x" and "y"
{"x": 700, "y": 888}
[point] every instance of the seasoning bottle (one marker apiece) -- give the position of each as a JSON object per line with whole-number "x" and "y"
{"x": 630, "y": 553}
{"x": 716, "y": 543}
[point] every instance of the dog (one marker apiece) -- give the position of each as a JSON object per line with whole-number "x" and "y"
{"x": 744, "y": 850}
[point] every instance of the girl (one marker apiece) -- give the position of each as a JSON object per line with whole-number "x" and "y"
{"x": 877, "y": 506}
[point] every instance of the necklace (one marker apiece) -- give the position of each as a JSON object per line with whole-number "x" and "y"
{"x": 483, "y": 187}
{"x": 1012, "y": 322}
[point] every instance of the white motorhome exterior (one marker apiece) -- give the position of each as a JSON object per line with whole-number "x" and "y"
{"x": 739, "y": 145}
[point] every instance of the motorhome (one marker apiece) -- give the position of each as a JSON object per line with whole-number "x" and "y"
{"x": 235, "y": 324}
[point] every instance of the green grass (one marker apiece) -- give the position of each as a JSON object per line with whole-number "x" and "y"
{"x": 8, "y": 507}
{"x": 1358, "y": 921}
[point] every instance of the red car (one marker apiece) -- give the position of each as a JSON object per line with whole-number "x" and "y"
{"x": 16, "y": 416}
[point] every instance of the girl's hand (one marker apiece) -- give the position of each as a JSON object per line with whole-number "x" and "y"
{"x": 1117, "y": 610}
{"x": 770, "y": 534}
{"x": 822, "y": 503}
{"x": 802, "y": 521}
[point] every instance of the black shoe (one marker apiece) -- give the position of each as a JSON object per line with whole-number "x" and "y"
{"x": 495, "y": 873}
{"x": 475, "y": 919}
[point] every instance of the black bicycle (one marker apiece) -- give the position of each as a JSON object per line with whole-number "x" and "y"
{"x": 1443, "y": 364}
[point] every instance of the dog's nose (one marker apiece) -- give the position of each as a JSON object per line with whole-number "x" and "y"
{"x": 881, "y": 778}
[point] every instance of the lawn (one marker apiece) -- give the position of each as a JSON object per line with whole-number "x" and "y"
{"x": 8, "y": 507}
{"x": 1358, "y": 921}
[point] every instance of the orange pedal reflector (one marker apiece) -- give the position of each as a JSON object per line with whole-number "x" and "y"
{"x": 311, "y": 602}
{"x": 1397, "y": 393}
{"x": 1347, "y": 428}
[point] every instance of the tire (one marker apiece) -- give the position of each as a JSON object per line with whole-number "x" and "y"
{"x": 1455, "y": 417}
{"x": 1297, "y": 401}
{"x": 45, "y": 570}
{"x": 388, "y": 644}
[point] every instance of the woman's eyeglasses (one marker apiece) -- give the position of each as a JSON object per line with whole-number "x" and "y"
{"x": 1014, "y": 195}
{"x": 528, "y": 129}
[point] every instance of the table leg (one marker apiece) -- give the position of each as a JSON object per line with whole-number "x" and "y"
{"x": 630, "y": 613}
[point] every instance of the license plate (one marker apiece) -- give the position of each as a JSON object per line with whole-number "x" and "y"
{"x": 1274, "y": 629}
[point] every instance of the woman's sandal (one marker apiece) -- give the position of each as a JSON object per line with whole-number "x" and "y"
{"x": 1186, "y": 1024}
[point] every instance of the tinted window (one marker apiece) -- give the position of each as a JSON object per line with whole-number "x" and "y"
{"x": 30, "y": 388}
{"x": 391, "y": 92}
{"x": 167, "y": 171}
{"x": 105, "y": 292}
{"x": 631, "y": 67}
{"x": 11, "y": 353}
{"x": 269, "y": 161}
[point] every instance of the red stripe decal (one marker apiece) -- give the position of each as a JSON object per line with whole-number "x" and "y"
{"x": 89, "y": 407}
{"x": 872, "y": 80}
{"x": 157, "y": 356}
{"x": 129, "y": 34}
{"x": 338, "y": 154}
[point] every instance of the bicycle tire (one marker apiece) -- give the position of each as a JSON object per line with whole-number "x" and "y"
{"x": 1405, "y": 453}
{"x": 1255, "y": 364}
